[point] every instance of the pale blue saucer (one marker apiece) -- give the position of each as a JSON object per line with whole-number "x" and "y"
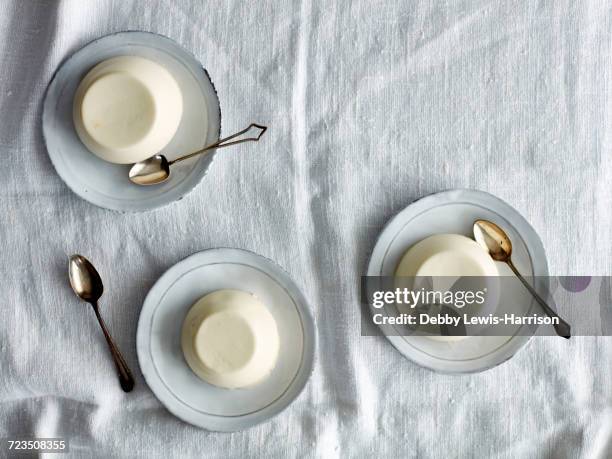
{"x": 455, "y": 211}
{"x": 159, "y": 348}
{"x": 105, "y": 184}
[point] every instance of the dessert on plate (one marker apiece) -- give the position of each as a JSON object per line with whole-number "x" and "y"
{"x": 230, "y": 339}
{"x": 445, "y": 258}
{"x": 127, "y": 109}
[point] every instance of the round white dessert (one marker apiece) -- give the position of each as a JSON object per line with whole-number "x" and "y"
{"x": 445, "y": 258}
{"x": 127, "y": 109}
{"x": 230, "y": 339}
{"x": 449, "y": 255}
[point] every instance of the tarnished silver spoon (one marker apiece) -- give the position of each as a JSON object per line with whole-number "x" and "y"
{"x": 87, "y": 284}
{"x": 495, "y": 241}
{"x": 156, "y": 169}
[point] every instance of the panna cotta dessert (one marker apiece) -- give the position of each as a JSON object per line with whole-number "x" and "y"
{"x": 127, "y": 109}
{"x": 445, "y": 258}
{"x": 446, "y": 255}
{"x": 230, "y": 339}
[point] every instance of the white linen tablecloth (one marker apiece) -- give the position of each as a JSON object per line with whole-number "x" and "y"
{"x": 370, "y": 104}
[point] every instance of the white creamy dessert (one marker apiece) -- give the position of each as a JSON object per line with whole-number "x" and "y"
{"x": 127, "y": 109}
{"x": 230, "y": 339}
{"x": 446, "y": 258}
{"x": 446, "y": 255}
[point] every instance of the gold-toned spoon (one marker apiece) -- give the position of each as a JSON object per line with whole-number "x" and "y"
{"x": 156, "y": 169}
{"x": 495, "y": 241}
{"x": 87, "y": 284}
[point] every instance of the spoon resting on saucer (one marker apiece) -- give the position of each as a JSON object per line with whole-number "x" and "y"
{"x": 156, "y": 169}
{"x": 497, "y": 243}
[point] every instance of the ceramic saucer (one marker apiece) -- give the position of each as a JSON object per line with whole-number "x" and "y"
{"x": 455, "y": 212}
{"x": 159, "y": 340}
{"x": 105, "y": 184}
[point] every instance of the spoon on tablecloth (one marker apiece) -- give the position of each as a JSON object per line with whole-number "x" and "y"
{"x": 156, "y": 169}
{"x": 497, "y": 243}
{"x": 87, "y": 284}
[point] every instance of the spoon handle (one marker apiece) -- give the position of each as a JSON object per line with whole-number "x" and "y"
{"x": 225, "y": 142}
{"x": 125, "y": 375}
{"x": 562, "y": 328}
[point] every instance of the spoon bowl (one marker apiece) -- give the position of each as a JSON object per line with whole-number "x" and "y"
{"x": 493, "y": 239}
{"x": 150, "y": 171}
{"x": 84, "y": 279}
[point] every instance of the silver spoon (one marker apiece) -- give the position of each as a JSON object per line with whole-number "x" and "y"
{"x": 495, "y": 241}
{"x": 156, "y": 169}
{"x": 87, "y": 284}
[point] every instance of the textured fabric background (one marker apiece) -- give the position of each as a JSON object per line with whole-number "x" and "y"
{"x": 371, "y": 104}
